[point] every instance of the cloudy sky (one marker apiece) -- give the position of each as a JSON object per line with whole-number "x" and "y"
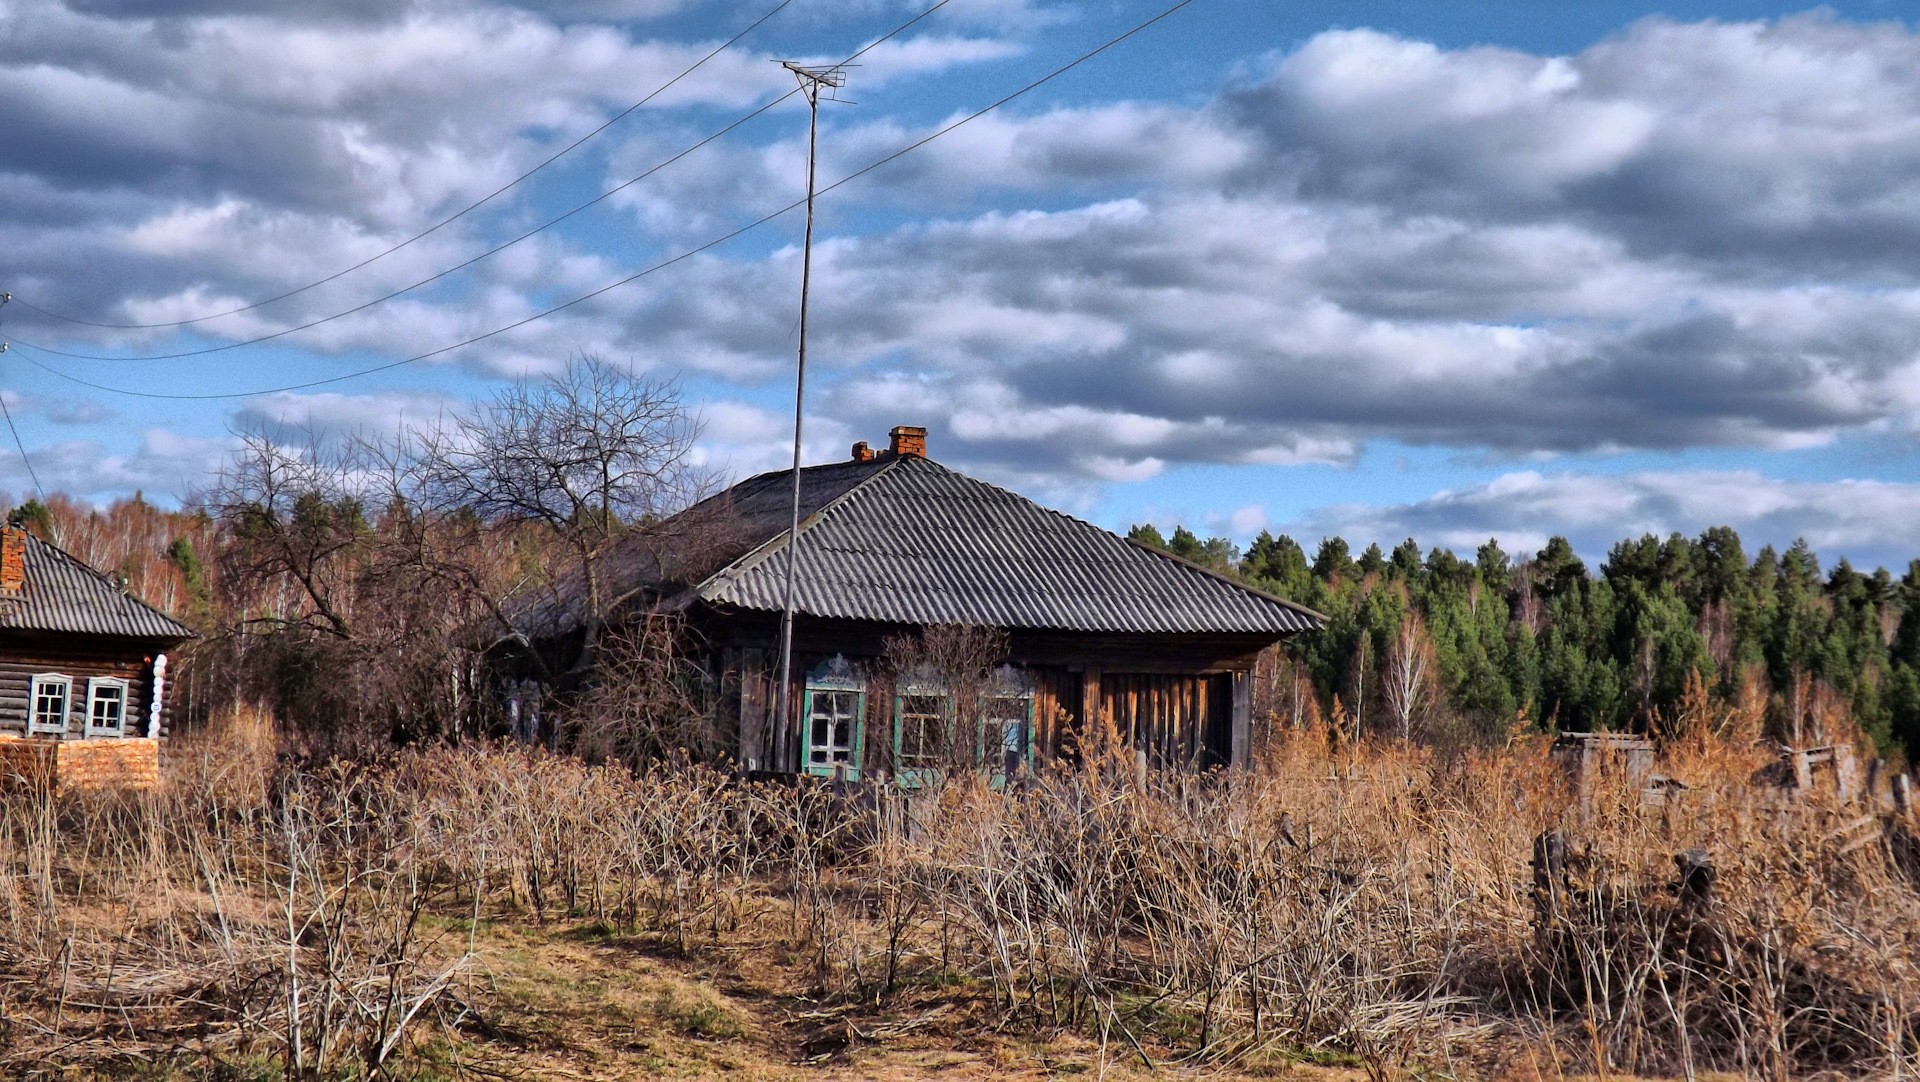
{"x": 1436, "y": 268}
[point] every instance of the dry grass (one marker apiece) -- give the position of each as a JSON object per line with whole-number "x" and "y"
{"x": 1369, "y": 909}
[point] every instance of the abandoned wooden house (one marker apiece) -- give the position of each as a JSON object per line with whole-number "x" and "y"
{"x": 893, "y": 542}
{"x": 83, "y": 671}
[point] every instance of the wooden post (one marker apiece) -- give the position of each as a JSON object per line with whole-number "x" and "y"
{"x": 1902, "y": 796}
{"x": 1803, "y": 771}
{"x": 1696, "y": 878}
{"x": 1241, "y": 755}
{"x": 755, "y": 753}
{"x": 1089, "y": 700}
{"x": 1549, "y": 878}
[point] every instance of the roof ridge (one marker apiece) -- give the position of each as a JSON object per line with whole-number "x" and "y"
{"x": 1229, "y": 580}
{"x": 1077, "y": 520}
{"x": 754, "y": 556}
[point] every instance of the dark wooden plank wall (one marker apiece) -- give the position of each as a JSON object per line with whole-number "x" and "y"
{"x": 20, "y": 662}
{"x": 1181, "y": 722}
{"x": 1191, "y": 653}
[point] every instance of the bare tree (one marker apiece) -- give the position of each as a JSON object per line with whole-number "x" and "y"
{"x": 945, "y": 677}
{"x": 330, "y": 613}
{"x": 1408, "y": 675}
{"x": 293, "y": 517}
{"x": 650, "y": 701}
{"x": 593, "y": 453}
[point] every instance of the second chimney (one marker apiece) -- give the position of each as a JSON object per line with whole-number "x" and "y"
{"x": 908, "y": 440}
{"x": 862, "y": 453}
{"x": 13, "y": 561}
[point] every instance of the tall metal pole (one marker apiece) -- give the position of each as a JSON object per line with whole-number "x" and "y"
{"x": 811, "y": 80}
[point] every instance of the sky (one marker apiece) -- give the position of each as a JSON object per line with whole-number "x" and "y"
{"x": 1434, "y": 269}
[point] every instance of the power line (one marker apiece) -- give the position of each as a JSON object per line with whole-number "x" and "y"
{"x": 642, "y": 273}
{"x": 7, "y": 412}
{"x": 496, "y": 249}
{"x": 382, "y": 299}
{"x": 449, "y": 220}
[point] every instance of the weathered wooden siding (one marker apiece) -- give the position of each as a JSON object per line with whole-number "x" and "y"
{"x": 1181, "y": 722}
{"x": 81, "y": 658}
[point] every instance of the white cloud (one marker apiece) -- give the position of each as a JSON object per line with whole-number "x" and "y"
{"x": 164, "y": 464}
{"x": 1686, "y": 235}
{"x": 1473, "y": 248}
{"x": 296, "y": 418}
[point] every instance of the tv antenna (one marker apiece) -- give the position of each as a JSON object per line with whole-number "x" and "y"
{"x": 818, "y": 84}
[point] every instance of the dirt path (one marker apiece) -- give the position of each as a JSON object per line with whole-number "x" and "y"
{"x": 585, "y": 1002}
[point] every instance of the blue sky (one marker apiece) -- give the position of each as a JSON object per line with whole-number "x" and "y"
{"x": 1445, "y": 270}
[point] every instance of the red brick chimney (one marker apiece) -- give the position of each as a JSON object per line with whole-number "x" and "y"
{"x": 908, "y": 440}
{"x": 862, "y": 453}
{"x": 13, "y": 560}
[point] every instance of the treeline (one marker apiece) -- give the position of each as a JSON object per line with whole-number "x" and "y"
{"x": 1439, "y": 643}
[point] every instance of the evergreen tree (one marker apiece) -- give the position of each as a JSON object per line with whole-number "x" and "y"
{"x": 1495, "y": 567}
{"x": 1557, "y": 570}
{"x": 1405, "y": 564}
{"x": 1372, "y": 561}
{"x": 1279, "y": 565}
{"x": 1333, "y": 560}
{"x": 1147, "y": 534}
{"x": 1612, "y": 652}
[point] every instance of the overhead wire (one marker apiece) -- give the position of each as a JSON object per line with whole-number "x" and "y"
{"x": 648, "y": 270}
{"x": 444, "y": 222}
{"x": 496, "y": 249}
{"x": 7, "y": 412}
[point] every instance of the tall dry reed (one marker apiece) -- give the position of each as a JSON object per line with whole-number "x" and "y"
{"x": 1390, "y": 902}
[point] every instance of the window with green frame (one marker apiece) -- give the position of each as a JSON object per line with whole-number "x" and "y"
{"x": 1006, "y": 734}
{"x": 922, "y": 718}
{"x": 835, "y": 709}
{"x": 926, "y": 739}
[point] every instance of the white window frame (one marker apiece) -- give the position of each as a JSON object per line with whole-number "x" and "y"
{"x": 34, "y": 725}
{"x": 94, "y": 686}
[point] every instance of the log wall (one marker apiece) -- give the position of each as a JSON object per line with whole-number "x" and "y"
{"x": 79, "y": 658}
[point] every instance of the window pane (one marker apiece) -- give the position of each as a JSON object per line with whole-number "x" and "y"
{"x": 831, "y": 733}
{"x": 923, "y": 720}
{"x": 50, "y": 705}
{"x": 108, "y": 707}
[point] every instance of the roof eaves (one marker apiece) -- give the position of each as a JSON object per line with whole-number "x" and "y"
{"x": 1235, "y": 583}
{"x": 763, "y": 551}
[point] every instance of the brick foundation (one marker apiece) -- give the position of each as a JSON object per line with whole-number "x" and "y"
{"x": 128, "y": 763}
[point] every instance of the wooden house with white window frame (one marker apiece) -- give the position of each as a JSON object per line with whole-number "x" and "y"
{"x": 1097, "y": 626}
{"x": 83, "y": 671}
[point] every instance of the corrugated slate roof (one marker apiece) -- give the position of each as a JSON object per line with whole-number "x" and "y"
{"x": 691, "y": 545}
{"x": 63, "y": 594}
{"x": 908, "y": 540}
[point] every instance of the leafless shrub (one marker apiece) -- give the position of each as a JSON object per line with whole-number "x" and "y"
{"x": 651, "y": 701}
{"x": 1377, "y": 899}
{"x": 945, "y": 676}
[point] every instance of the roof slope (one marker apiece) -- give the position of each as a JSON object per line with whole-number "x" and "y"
{"x": 688, "y": 547}
{"x": 911, "y": 541}
{"x": 64, "y": 594}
